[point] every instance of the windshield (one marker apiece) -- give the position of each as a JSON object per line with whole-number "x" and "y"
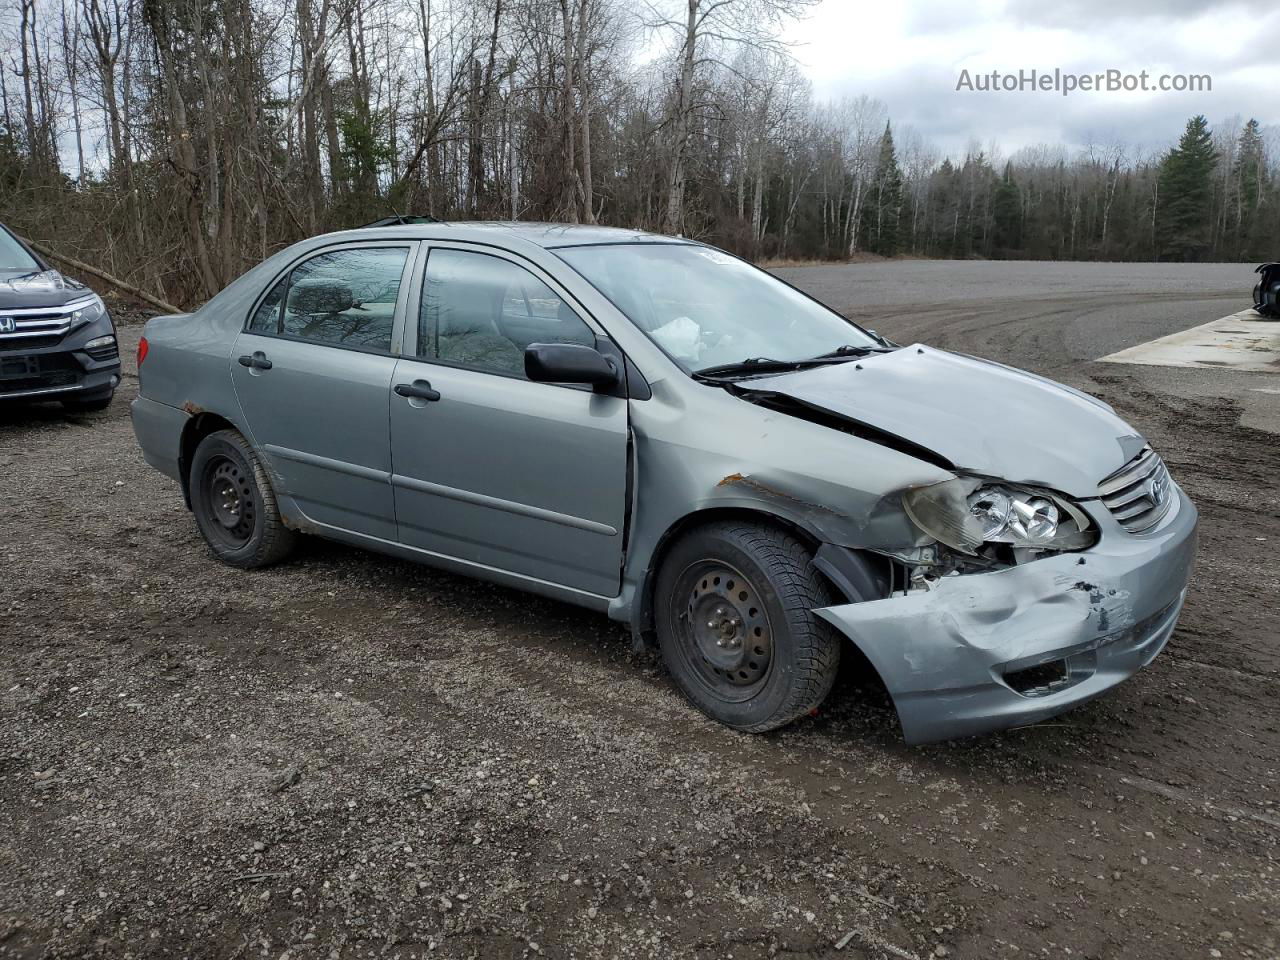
{"x": 706, "y": 308}
{"x": 13, "y": 256}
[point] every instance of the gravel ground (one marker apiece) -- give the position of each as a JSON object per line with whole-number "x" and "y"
{"x": 351, "y": 756}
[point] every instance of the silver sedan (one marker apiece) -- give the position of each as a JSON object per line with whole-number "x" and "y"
{"x": 657, "y": 430}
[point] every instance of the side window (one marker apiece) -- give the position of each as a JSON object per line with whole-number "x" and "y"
{"x": 266, "y": 319}
{"x": 481, "y": 312}
{"x": 345, "y": 297}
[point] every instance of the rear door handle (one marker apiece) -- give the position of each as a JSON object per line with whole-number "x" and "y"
{"x": 418, "y": 390}
{"x": 258, "y": 361}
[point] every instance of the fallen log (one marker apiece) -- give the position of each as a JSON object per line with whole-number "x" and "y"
{"x": 116, "y": 282}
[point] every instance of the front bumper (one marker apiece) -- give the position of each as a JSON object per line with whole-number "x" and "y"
{"x": 987, "y": 651}
{"x": 57, "y": 371}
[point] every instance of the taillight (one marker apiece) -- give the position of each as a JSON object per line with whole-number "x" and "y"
{"x": 143, "y": 347}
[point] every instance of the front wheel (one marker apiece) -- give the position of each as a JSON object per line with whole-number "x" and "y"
{"x": 234, "y": 505}
{"x": 735, "y": 620}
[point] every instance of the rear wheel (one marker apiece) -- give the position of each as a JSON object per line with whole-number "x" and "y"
{"x": 234, "y": 505}
{"x": 735, "y": 604}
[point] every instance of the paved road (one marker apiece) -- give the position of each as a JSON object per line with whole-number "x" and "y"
{"x": 352, "y": 756}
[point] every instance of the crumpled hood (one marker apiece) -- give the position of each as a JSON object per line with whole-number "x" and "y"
{"x": 41, "y": 288}
{"x": 983, "y": 417}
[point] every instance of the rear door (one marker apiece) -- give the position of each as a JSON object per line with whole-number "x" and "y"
{"x": 312, "y": 372}
{"x": 488, "y": 466}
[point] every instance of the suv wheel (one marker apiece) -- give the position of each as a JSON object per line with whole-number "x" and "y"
{"x": 735, "y": 622}
{"x": 234, "y": 505}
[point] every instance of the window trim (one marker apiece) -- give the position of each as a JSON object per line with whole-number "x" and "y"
{"x": 414, "y": 308}
{"x": 261, "y": 302}
{"x": 412, "y": 248}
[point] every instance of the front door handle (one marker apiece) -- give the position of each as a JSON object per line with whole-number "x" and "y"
{"x": 418, "y": 390}
{"x": 258, "y": 361}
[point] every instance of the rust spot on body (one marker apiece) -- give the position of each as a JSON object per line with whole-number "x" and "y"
{"x": 192, "y": 409}
{"x": 299, "y": 524}
{"x": 738, "y": 479}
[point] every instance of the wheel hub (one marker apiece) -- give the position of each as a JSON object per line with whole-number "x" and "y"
{"x": 226, "y": 505}
{"x": 230, "y": 500}
{"x": 727, "y": 627}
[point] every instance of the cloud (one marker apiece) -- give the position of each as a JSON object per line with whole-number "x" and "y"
{"x": 1075, "y": 13}
{"x": 910, "y": 56}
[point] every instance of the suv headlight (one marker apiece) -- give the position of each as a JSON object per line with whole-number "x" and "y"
{"x": 88, "y": 312}
{"x": 967, "y": 512}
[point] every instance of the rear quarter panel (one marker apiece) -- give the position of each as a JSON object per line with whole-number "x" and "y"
{"x": 186, "y": 365}
{"x": 189, "y": 355}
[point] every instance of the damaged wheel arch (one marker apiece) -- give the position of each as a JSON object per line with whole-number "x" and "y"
{"x": 855, "y": 575}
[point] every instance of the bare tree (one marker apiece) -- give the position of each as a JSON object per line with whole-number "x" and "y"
{"x": 202, "y": 135}
{"x": 861, "y": 121}
{"x": 707, "y": 29}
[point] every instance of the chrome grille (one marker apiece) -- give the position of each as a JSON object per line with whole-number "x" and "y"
{"x": 47, "y": 323}
{"x": 1140, "y": 493}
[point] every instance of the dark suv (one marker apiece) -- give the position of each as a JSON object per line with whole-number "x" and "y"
{"x": 57, "y": 341}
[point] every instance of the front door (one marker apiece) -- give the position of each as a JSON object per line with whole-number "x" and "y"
{"x": 489, "y": 467}
{"x": 313, "y": 373}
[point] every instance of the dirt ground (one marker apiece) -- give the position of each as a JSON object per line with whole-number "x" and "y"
{"x": 351, "y": 756}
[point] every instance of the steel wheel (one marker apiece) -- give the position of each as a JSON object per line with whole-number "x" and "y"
{"x": 726, "y": 635}
{"x": 234, "y": 504}
{"x": 735, "y": 602}
{"x": 229, "y": 501}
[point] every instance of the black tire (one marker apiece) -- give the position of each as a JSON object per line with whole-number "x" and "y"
{"x": 234, "y": 504}
{"x": 89, "y": 406}
{"x": 778, "y": 661}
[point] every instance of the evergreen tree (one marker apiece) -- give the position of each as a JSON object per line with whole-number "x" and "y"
{"x": 943, "y": 210}
{"x": 883, "y": 210}
{"x": 1184, "y": 214}
{"x": 1249, "y": 185}
{"x": 1007, "y": 211}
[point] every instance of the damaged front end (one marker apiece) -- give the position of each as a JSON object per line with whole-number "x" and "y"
{"x": 1001, "y": 604}
{"x": 1004, "y": 547}
{"x": 975, "y": 644}
{"x": 980, "y": 524}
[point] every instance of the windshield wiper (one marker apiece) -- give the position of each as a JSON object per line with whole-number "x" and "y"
{"x": 751, "y": 365}
{"x": 851, "y": 350}
{"x": 754, "y": 366}
{"x": 24, "y": 276}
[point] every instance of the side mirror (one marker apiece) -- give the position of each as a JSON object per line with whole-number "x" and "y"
{"x": 568, "y": 363}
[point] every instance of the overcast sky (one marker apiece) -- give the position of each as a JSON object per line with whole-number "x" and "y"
{"x": 910, "y": 54}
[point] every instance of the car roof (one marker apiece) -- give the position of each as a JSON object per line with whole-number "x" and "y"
{"x": 547, "y": 235}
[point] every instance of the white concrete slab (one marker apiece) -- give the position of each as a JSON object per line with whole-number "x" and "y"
{"x": 1240, "y": 342}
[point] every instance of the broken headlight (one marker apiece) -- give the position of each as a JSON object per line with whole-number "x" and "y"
{"x": 966, "y": 513}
